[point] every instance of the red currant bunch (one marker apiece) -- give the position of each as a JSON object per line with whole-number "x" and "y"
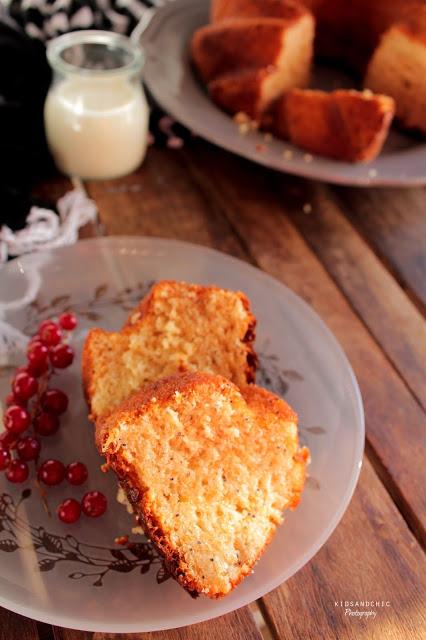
{"x": 34, "y": 410}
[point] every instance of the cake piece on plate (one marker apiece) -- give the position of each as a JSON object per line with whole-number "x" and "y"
{"x": 344, "y": 124}
{"x": 398, "y": 68}
{"x": 177, "y": 327}
{"x": 208, "y": 469}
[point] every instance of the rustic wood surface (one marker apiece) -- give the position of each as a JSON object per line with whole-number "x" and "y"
{"x": 358, "y": 257}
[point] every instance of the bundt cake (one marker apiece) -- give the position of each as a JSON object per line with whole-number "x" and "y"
{"x": 208, "y": 469}
{"x": 343, "y": 124}
{"x": 251, "y": 68}
{"x": 398, "y": 68}
{"x": 347, "y": 31}
{"x": 177, "y": 327}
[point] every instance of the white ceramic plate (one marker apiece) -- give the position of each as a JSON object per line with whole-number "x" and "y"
{"x": 72, "y": 575}
{"x": 172, "y": 82}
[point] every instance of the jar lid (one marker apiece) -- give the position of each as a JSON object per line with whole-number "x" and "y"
{"x": 94, "y": 53}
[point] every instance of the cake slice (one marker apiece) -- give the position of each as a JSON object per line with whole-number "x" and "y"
{"x": 250, "y": 91}
{"x": 253, "y": 43}
{"x": 344, "y": 124}
{"x": 208, "y": 469}
{"x": 398, "y": 68}
{"x": 177, "y": 327}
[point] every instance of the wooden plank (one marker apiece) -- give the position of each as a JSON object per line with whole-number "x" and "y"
{"x": 15, "y": 627}
{"x": 371, "y": 556}
{"x": 390, "y": 315}
{"x": 395, "y": 422}
{"x": 393, "y": 221}
{"x": 161, "y": 200}
{"x": 238, "y": 625}
{"x": 60, "y": 633}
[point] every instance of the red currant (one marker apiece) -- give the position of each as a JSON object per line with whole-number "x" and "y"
{"x": 54, "y": 401}
{"x": 50, "y": 334}
{"x": 61, "y": 356}
{"x": 28, "y": 448}
{"x": 68, "y": 321}
{"x": 77, "y": 473}
{"x": 17, "y": 471}
{"x": 8, "y": 439}
{"x": 69, "y": 511}
{"x": 94, "y": 504}
{"x": 37, "y": 355}
{"x": 37, "y": 369}
{"x": 4, "y": 459}
{"x": 46, "y": 424}
{"x": 41, "y": 326}
{"x": 16, "y": 419}
{"x": 36, "y": 345}
{"x": 51, "y": 472}
{"x": 24, "y": 386}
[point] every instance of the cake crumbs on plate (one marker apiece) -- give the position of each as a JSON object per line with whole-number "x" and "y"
{"x": 307, "y": 208}
{"x": 241, "y": 118}
{"x": 267, "y": 137}
{"x": 244, "y": 128}
{"x": 288, "y": 154}
{"x": 308, "y": 157}
{"x": 261, "y": 148}
{"x": 372, "y": 173}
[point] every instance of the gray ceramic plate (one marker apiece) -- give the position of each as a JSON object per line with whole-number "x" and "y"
{"x": 73, "y": 575}
{"x": 171, "y": 81}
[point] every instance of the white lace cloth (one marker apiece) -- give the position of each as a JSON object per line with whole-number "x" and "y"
{"x": 46, "y": 230}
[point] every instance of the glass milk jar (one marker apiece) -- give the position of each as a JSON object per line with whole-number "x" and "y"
{"x": 95, "y": 114}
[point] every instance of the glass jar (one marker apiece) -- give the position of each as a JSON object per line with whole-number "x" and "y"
{"x": 95, "y": 114}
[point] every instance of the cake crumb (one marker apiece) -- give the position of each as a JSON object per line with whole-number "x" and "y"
{"x": 261, "y": 148}
{"x": 267, "y": 137}
{"x": 288, "y": 154}
{"x": 307, "y": 208}
{"x": 123, "y": 540}
{"x": 241, "y": 118}
{"x": 244, "y": 128}
{"x": 372, "y": 173}
{"x": 308, "y": 157}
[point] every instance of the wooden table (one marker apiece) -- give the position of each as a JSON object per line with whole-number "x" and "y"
{"x": 358, "y": 257}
